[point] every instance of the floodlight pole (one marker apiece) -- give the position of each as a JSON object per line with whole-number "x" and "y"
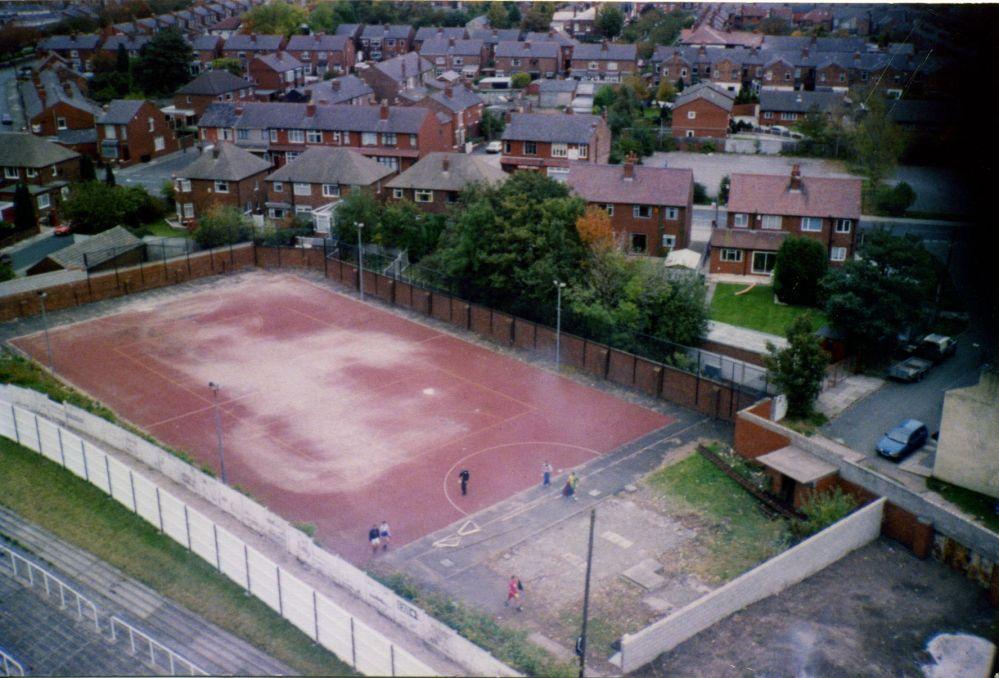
{"x": 559, "y": 286}
{"x": 218, "y": 429}
{"x": 581, "y": 641}
{"x": 45, "y": 328}
{"x": 360, "y": 261}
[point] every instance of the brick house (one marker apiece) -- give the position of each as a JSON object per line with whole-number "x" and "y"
{"x": 57, "y": 109}
{"x": 207, "y": 48}
{"x": 579, "y": 23}
{"x": 606, "y": 61}
{"x": 210, "y": 87}
{"x": 133, "y": 130}
{"x": 462, "y": 56}
{"x": 703, "y": 110}
{"x": 650, "y": 208}
{"x": 445, "y": 33}
{"x": 491, "y": 37}
{"x": 223, "y": 175}
{"x": 133, "y": 44}
{"x": 319, "y": 178}
{"x": 347, "y": 89}
{"x": 78, "y": 50}
{"x": 396, "y": 136}
{"x": 537, "y": 59}
{"x": 550, "y": 141}
{"x": 385, "y": 42}
{"x": 786, "y": 108}
{"x": 463, "y": 105}
{"x": 780, "y": 73}
{"x": 321, "y": 54}
{"x": 245, "y": 46}
{"x": 436, "y": 181}
{"x": 392, "y": 77}
{"x": 565, "y": 42}
{"x": 45, "y": 167}
{"x": 765, "y": 209}
{"x": 275, "y": 74}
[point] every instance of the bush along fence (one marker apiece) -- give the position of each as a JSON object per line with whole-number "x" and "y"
{"x": 63, "y": 434}
{"x": 712, "y": 384}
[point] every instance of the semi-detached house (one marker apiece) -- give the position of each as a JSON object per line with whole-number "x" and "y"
{"x": 321, "y": 54}
{"x": 462, "y": 56}
{"x": 548, "y": 142}
{"x": 223, "y": 175}
{"x": 606, "y": 61}
{"x": 537, "y": 59}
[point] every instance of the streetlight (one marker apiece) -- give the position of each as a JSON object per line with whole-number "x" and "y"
{"x": 45, "y": 326}
{"x": 218, "y": 429}
{"x": 360, "y": 260}
{"x": 559, "y": 286}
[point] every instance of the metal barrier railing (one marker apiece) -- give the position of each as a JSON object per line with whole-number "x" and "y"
{"x": 65, "y": 590}
{"x": 11, "y": 667}
{"x": 173, "y": 659}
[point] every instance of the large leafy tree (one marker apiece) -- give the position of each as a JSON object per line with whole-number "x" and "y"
{"x": 492, "y": 124}
{"x": 275, "y": 18}
{"x": 164, "y": 65}
{"x": 94, "y": 206}
{"x": 877, "y": 142}
{"x": 654, "y": 27}
{"x": 497, "y": 15}
{"x": 886, "y": 290}
{"x": 610, "y": 21}
{"x": 327, "y": 16}
{"x": 798, "y": 369}
{"x": 801, "y": 263}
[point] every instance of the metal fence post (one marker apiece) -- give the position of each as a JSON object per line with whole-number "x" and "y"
{"x": 246, "y": 563}
{"x": 277, "y": 568}
{"x": 62, "y": 452}
{"x": 107, "y": 467}
{"x": 38, "y": 435}
{"x": 392, "y": 657}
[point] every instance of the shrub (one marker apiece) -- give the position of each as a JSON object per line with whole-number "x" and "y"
{"x": 700, "y": 194}
{"x": 821, "y": 510}
{"x": 894, "y": 201}
{"x": 223, "y": 225}
{"x": 520, "y": 80}
{"x": 800, "y": 265}
{"x": 708, "y": 147}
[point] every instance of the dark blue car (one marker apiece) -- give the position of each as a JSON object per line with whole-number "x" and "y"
{"x": 904, "y": 439}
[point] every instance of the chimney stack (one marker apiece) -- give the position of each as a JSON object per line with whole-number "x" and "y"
{"x": 239, "y": 109}
{"x": 335, "y": 85}
{"x": 445, "y": 164}
{"x": 508, "y": 117}
{"x": 253, "y": 37}
{"x": 450, "y": 42}
{"x": 568, "y": 110}
{"x": 603, "y": 45}
{"x": 310, "y": 110}
{"x": 629, "y": 167}
{"x": 449, "y": 91}
{"x": 527, "y": 44}
{"x": 795, "y": 183}
{"x": 384, "y": 110}
{"x": 215, "y": 151}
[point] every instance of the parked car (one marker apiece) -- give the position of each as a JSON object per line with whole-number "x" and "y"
{"x": 936, "y": 347}
{"x": 63, "y": 229}
{"x": 6, "y": 119}
{"x": 494, "y": 147}
{"x": 903, "y": 440}
{"x": 910, "y": 369}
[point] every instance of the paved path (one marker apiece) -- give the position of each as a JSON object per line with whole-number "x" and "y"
{"x": 214, "y": 650}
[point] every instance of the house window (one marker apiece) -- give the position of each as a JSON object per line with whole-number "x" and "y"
{"x": 391, "y": 163}
{"x": 188, "y": 210}
{"x": 331, "y": 190}
{"x": 221, "y": 186}
{"x": 243, "y": 134}
{"x": 388, "y": 138}
{"x": 837, "y": 254}
{"x": 369, "y": 138}
{"x": 560, "y": 150}
{"x": 637, "y": 242}
{"x": 159, "y": 143}
{"x": 151, "y": 125}
{"x": 31, "y": 173}
{"x": 314, "y": 136}
{"x": 691, "y": 115}
{"x": 226, "y": 134}
{"x": 397, "y": 193}
{"x": 291, "y": 155}
{"x": 11, "y": 173}
{"x": 276, "y": 213}
{"x": 60, "y": 123}
{"x": 592, "y": 66}
{"x": 109, "y": 132}
{"x": 741, "y": 220}
{"x": 787, "y": 75}
{"x": 301, "y": 189}
{"x": 277, "y": 187}
{"x": 787, "y": 116}
{"x": 458, "y": 61}
{"x": 273, "y": 135}
{"x": 507, "y": 147}
{"x": 423, "y": 195}
{"x": 842, "y": 77}
{"x": 44, "y": 202}
{"x": 822, "y": 77}
{"x": 772, "y": 221}
{"x": 672, "y": 212}
{"x": 763, "y": 262}
{"x": 811, "y": 224}
{"x": 669, "y": 242}
{"x": 768, "y": 115}
{"x": 690, "y": 134}
{"x": 530, "y": 148}
{"x": 55, "y": 170}
{"x": 184, "y": 186}
{"x": 731, "y": 255}
{"x": 844, "y": 225}
{"x": 558, "y": 173}
{"x": 336, "y": 137}
{"x": 609, "y": 208}
{"x": 770, "y": 76}
{"x": 683, "y": 72}
{"x": 412, "y": 140}
{"x": 514, "y": 62}
{"x": 296, "y": 136}
{"x": 641, "y": 211}
{"x": 584, "y": 150}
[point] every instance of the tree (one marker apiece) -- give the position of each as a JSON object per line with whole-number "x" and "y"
{"x": 887, "y": 289}
{"x": 666, "y": 90}
{"x": 774, "y": 26}
{"x": 359, "y": 207}
{"x": 234, "y": 66}
{"x": 7, "y": 271}
{"x": 604, "y": 97}
{"x": 93, "y": 207}
{"x": 877, "y": 143}
{"x": 405, "y": 226}
{"x": 109, "y": 175}
{"x": 700, "y": 194}
{"x": 894, "y": 201}
{"x": 491, "y": 124}
{"x": 25, "y": 217}
{"x": 87, "y": 171}
{"x": 801, "y": 263}
{"x": 121, "y": 61}
{"x": 223, "y": 225}
{"x": 164, "y": 65}
{"x": 15, "y": 38}
{"x": 723, "y": 188}
{"x": 535, "y": 20}
{"x": 497, "y": 16}
{"x": 609, "y": 21}
{"x": 799, "y": 368}
{"x": 595, "y": 229}
{"x": 327, "y": 16}
{"x": 520, "y": 80}
{"x": 274, "y": 17}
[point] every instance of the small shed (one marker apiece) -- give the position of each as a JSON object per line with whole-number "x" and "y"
{"x": 795, "y": 474}
{"x": 110, "y": 249}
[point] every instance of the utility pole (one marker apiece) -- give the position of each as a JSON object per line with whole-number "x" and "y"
{"x": 360, "y": 261}
{"x": 581, "y": 641}
{"x": 559, "y": 286}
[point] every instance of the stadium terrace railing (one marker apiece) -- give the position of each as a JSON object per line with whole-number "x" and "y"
{"x": 10, "y": 666}
{"x": 156, "y": 649}
{"x": 19, "y": 565}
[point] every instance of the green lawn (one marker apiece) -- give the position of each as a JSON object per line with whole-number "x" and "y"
{"x": 163, "y": 229}
{"x": 756, "y": 309}
{"x": 738, "y": 535}
{"x": 77, "y": 512}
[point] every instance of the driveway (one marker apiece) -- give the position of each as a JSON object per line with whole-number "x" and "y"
{"x": 25, "y": 257}
{"x": 152, "y": 175}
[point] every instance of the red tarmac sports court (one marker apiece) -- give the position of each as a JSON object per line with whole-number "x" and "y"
{"x": 336, "y": 412}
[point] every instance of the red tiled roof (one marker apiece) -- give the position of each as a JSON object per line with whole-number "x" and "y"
{"x": 747, "y": 239}
{"x": 818, "y": 197}
{"x": 649, "y": 186}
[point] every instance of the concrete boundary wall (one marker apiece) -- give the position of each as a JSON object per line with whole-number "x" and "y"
{"x": 53, "y": 429}
{"x": 798, "y": 563}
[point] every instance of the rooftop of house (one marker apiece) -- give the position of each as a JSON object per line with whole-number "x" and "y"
{"x": 325, "y": 165}
{"x": 800, "y": 101}
{"x": 707, "y": 91}
{"x": 527, "y": 49}
{"x": 404, "y": 66}
{"x": 120, "y": 111}
{"x": 492, "y": 36}
{"x": 225, "y": 162}
{"x": 551, "y": 35}
{"x": 64, "y": 42}
{"x": 554, "y": 127}
{"x": 349, "y": 30}
{"x": 213, "y": 83}
{"x": 206, "y": 42}
{"x": 611, "y": 51}
{"x": 449, "y": 172}
{"x": 319, "y": 42}
{"x": 252, "y": 42}
{"x": 27, "y": 150}
{"x": 747, "y": 239}
{"x": 795, "y": 195}
{"x": 451, "y": 47}
{"x": 280, "y": 62}
{"x": 588, "y": 14}
{"x": 132, "y": 43}
{"x": 350, "y": 118}
{"x": 456, "y": 98}
{"x": 340, "y": 90}
{"x": 631, "y": 183}
{"x": 441, "y": 32}
{"x": 386, "y": 31}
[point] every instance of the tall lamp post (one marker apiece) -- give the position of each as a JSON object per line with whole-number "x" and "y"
{"x": 559, "y": 286}
{"x": 45, "y": 326}
{"x": 218, "y": 429}
{"x": 360, "y": 260}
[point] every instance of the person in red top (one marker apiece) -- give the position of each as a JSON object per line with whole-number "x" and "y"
{"x": 513, "y": 590}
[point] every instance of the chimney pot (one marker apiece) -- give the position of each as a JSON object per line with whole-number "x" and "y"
{"x": 335, "y": 85}
{"x": 445, "y": 164}
{"x": 384, "y": 110}
{"x": 527, "y": 44}
{"x": 450, "y": 42}
{"x": 795, "y": 183}
{"x": 310, "y": 110}
{"x": 629, "y": 167}
{"x": 508, "y": 117}
{"x": 449, "y": 92}
{"x": 253, "y": 37}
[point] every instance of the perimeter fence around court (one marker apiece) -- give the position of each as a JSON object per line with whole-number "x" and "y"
{"x": 711, "y": 383}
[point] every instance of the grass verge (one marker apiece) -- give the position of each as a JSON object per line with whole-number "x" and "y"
{"x": 807, "y": 426}
{"x": 756, "y": 309}
{"x": 79, "y": 513}
{"x": 981, "y": 506}
{"x": 739, "y": 536}
{"x": 507, "y": 645}
{"x": 162, "y": 229}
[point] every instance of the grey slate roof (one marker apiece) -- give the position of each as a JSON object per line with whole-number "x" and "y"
{"x": 131, "y": 42}
{"x": 443, "y": 47}
{"x": 68, "y": 92}
{"x": 413, "y": 62}
{"x": 390, "y": 32}
{"x": 438, "y": 32}
{"x": 206, "y": 42}
{"x": 612, "y": 51}
{"x": 340, "y": 90}
{"x": 63, "y": 42}
{"x": 323, "y": 165}
{"x": 317, "y": 43}
{"x": 213, "y": 83}
{"x": 27, "y": 150}
{"x": 350, "y": 30}
{"x": 98, "y": 249}
{"x": 493, "y": 36}
{"x": 528, "y": 49}
{"x": 558, "y": 127}
{"x": 463, "y": 170}
{"x": 243, "y": 42}
{"x": 280, "y": 61}
{"x": 401, "y": 119}
{"x": 461, "y": 98}
{"x": 71, "y": 137}
{"x": 799, "y": 102}
{"x": 551, "y": 36}
{"x": 120, "y": 111}
{"x": 709, "y": 91}
{"x": 231, "y": 164}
